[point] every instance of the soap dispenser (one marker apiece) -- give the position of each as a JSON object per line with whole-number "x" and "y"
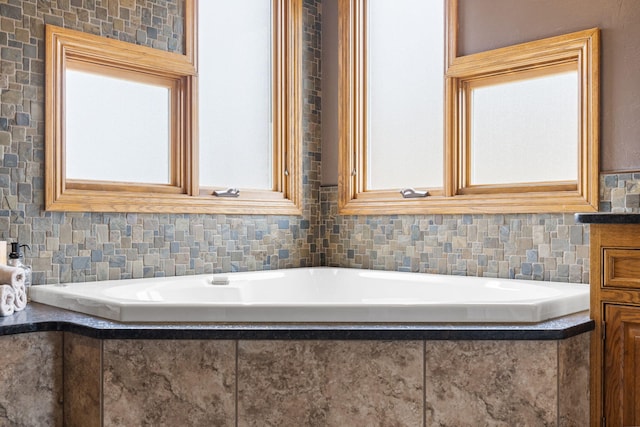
{"x": 16, "y": 260}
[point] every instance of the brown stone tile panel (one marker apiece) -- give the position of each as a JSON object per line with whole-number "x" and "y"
{"x": 491, "y": 383}
{"x": 573, "y": 381}
{"x": 82, "y": 381}
{"x": 169, "y": 382}
{"x": 31, "y": 379}
{"x": 330, "y": 383}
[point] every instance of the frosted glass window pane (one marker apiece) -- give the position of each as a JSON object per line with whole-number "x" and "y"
{"x": 405, "y": 93}
{"x": 134, "y": 148}
{"x": 525, "y": 131}
{"x": 234, "y": 64}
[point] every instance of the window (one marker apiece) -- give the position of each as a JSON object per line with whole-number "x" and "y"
{"x": 94, "y": 90}
{"x": 393, "y": 57}
{"x": 249, "y": 132}
{"x": 424, "y": 131}
{"x": 216, "y": 130}
{"x": 236, "y": 142}
{"x": 525, "y": 122}
{"x": 404, "y": 93}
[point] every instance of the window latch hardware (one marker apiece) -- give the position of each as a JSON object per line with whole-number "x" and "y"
{"x": 410, "y": 193}
{"x": 229, "y": 192}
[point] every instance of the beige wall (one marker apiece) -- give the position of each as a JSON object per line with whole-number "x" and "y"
{"x": 488, "y": 24}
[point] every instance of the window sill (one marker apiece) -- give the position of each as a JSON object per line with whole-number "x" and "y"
{"x": 545, "y": 202}
{"x": 92, "y": 201}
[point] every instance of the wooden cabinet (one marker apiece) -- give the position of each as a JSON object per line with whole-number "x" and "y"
{"x": 621, "y": 366}
{"x": 615, "y": 307}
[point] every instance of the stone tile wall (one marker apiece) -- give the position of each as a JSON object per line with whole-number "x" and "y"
{"x": 620, "y": 193}
{"x": 522, "y": 246}
{"x": 536, "y": 246}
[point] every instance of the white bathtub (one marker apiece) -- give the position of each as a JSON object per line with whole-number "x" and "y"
{"x": 319, "y": 294}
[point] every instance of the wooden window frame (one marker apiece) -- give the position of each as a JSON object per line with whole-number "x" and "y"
{"x": 456, "y": 197}
{"x": 286, "y": 195}
{"x": 353, "y": 196}
{"x": 577, "y": 51}
{"x": 87, "y": 52}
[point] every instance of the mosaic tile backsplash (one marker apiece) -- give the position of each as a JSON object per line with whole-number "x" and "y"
{"x": 539, "y": 247}
{"x": 69, "y": 247}
{"x": 521, "y": 246}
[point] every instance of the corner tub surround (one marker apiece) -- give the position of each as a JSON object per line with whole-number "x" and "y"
{"x": 292, "y": 374}
{"x": 319, "y": 295}
{"x": 109, "y": 373}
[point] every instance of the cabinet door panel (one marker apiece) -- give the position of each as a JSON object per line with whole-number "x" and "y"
{"x": 622, "y": 268}
{"x": 622, "y": 366}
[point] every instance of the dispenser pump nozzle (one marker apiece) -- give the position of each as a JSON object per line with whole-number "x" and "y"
{"x": 15, "y": 250}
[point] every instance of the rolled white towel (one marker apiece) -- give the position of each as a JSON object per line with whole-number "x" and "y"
{"x": 11, "y": 275}
{"x": 20, "y": 301}
{"x": 7, "y": 300}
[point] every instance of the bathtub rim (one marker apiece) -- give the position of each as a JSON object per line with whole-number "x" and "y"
{"x": 143, "y": 312}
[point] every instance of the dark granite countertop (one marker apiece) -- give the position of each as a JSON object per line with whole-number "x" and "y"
{"x": 607, "y": 218}
{"x": 39, "y": 317}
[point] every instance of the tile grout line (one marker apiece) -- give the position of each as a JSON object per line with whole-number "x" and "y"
{"x": 424, "y": 383}
{"x": 236, "y": 342}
